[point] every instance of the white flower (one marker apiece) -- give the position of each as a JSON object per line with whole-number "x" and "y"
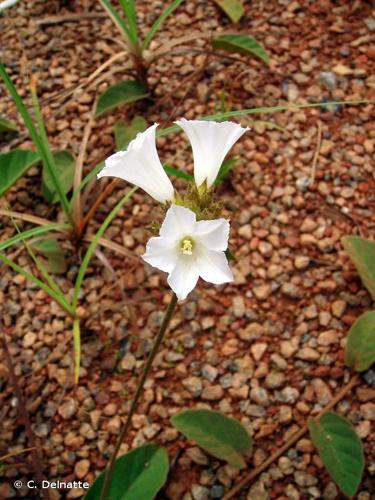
{"x": 187, "y": 249}
{"x": 210, "y": 142}
{"x": 140, "y": 165}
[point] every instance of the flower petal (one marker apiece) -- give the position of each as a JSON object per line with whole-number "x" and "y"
{"x": 210, "y": 142}
{"x": 213, "y": 234}
{"x": 184, "y": 277}
{"x": 161, "y": 253}
{"x": 140, "y": 165}
{"x": 213, "y": 267}
{"x": 179, "y": 222}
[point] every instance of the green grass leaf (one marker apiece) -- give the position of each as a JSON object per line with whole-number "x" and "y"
{"x": 241, "y": 44}
{"x": 178, "y": 173}
{"x": 225, "y": 170}
{"x": 138, "y": 475}
{"x": 118, "y": 20}
{"x": 64, "y": 171}
{"x": 91, "y": 249}
{"x": 221, "y": 436}
{"x": 340, "y": 449}
{"x": 120, "y": 94}
{"x": 360, "y": 346}
{"x": 232, "y": 8}
{"x": 7, "y": 125}
{"x": 30, "y": 233}
{"x": 362, "y": 253}
{"x": 159, "y": 21}
{"x": 126, "y": 132}
{"x": 14, "y": 165}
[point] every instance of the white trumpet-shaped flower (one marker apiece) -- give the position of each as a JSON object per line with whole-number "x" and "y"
{"x": 210, "y": 142}
{"x": 140, "y": 165}
{"x": 187, "y": 249}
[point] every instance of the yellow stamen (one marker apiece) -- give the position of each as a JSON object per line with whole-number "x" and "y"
{"x": 187, "y": 245}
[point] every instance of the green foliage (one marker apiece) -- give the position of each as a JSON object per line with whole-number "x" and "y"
{"x": 120, "y": 94}
{"x": 232, "y": 8}
{"x": 64, "y": 171}
{"x": 138, "y": 475}
{"x": 52, "y": 251}
{"x": 159, "y": 21}
{"x": 340, "y": 449}
{"x": 37, "y": 135}
{"x": 125, "y": 30}
{"x": 14, "y": 165}
{"x": 221, "y": 436}
{"x": 7, "y": 125}
{"x": 225, "y": 170}
{"x": 362, "y": 253}
{"x": 360, "y": 346}
{"x": 242, "y": 44}
{"x": 126, "y": 132}
{"x": 178, "y": 173}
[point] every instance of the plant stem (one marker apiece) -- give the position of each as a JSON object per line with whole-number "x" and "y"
{"x": 138, "y": 392}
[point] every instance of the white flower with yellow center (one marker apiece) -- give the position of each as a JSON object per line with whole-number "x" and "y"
{"x": 188, "y": 249}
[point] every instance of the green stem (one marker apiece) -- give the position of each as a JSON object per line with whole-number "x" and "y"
{"x": 138, "y": 392}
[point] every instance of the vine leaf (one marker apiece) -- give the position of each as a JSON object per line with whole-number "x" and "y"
{"x": 360, "y": 346}
{"x": 119, "y": 94}
{"x": 340, "y": 449}
{"x": 242, "y": 44}
{"x": 137, "y": 475}
{"x": 221, "y": 436}
{"x": 362, "y": 253}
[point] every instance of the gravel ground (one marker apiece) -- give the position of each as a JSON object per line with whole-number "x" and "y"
{"x": 268, "y": 348}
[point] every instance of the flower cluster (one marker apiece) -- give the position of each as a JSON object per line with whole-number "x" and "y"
{"x": 186, "y": 249}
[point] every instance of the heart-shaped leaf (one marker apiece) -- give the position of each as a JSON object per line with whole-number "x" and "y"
{"x": 360, "y": 346}
{"x": 14, "y": 165}
{"x": 126, "y": 132}
{"x": 137, "y": 475}
{"x": 242, "y": 44}
{"x": 232, "y": 8}
{"x": 340, "y": 449}
{"x": 362, "y": 253}
{"x": 119, "y": 94}
{"x": 7, "y": 125}
{"x": 64, "y": 167}
{"x": 221, "y": 436}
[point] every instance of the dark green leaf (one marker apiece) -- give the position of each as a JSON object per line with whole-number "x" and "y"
{"x": 230, "y": 255}
{"x": 7, "y": 125}
{"x": 362, "y": 253}
{"x": 178, "y": 173}
{"x": 64, "y": 163}
{"x": 232, "y": 8}
{"x": 223, "y": 437}
{"x": 138, "y": 475}
{"x": 14, "y": 165}
{"x": 119, "y": 94}
{"x": 242, "y": 44}
{"x": 52, "y": 251}
{"x": 360, "y": 346}
{"x": 225, "y": 169}
{"x": 126, "y": 132}
{"x": 340, "y": 449}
